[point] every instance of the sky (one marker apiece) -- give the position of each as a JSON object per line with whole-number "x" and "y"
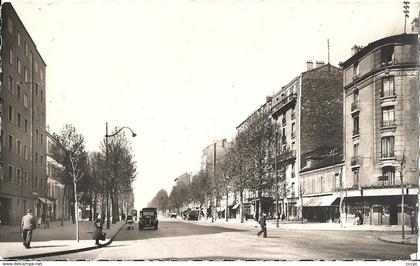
{"x": 183, "y": 74}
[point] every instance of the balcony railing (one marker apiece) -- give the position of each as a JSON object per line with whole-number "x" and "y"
{"x": 388, "y": 155}
{"x": 388, "y": 123}
{"x": 355, "y": 160}
{"x": 355, "y": 106}
{"x": 285, "y": 101}
{"x": 386, "y": 94}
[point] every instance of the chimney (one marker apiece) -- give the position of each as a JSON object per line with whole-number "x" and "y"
{"x": 309, "y": 65}
{"x": 319, "y": 64}
{"x": 355, "y": 49}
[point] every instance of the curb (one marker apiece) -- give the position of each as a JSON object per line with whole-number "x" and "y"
{"x": 64, "y": 252}
{"x": 396, "y": 242}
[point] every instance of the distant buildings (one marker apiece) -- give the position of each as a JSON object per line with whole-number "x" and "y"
{"x": 381, "y": 128}
{"x": 185, "y": 178}
{"x": 23, "y": 181}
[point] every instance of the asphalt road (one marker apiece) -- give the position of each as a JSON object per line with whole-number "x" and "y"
{"x": 188, "y": 240}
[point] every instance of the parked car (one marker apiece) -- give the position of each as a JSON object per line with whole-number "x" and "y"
{"x": 174, "y": 214}
{"x": 193, "y": 215}
{"x": 148, "y": 218}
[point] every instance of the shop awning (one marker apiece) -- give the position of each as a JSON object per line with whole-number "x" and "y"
{"x": 236, "y": 206}
{"x": 46, "y": 201}
{"x": 320, "y": 201}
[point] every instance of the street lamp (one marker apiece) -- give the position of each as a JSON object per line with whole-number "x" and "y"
{"x": 107, "y": 170}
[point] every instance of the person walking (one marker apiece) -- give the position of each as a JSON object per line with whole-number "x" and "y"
{"x": 97, "y": 235}
{"x": 28, "y": 224}
{"x": 413, "y": 223}
{"x": 263, "y": 226}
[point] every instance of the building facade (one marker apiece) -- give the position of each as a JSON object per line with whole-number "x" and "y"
{"x": 381, "y": 128}
{"x": 59, "y": 200}
{"x": 308, "y": 113}
{"x": 23, "y": 182}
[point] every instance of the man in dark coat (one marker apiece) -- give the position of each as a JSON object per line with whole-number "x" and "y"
{"x": 263, "y": 226}
{"x": 413, "y": 222}
{"x": 28, "y": 224}
{"x": 97, "y": 235}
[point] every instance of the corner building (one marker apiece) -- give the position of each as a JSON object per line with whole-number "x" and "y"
{"x": 381, "y": 129}
{"x": 23, "y": 182}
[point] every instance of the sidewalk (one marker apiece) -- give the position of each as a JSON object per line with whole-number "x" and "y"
{"x": 409, "y": 239}
{"x": 57, "y": 240}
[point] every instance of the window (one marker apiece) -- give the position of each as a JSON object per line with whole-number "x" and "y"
{"x": 31, "y": 58}
{"x": 42, "y": 137}
{"x": 41, "y": 75}
{"x": 10, "y": 143}
{"x": 26, "y": 125}
{"x": 36, "y": 89}
{"x": 36, "y": 66}
{"x": 19, "y": 176}
{"x": 10, "y": 83}
{"x": 26, "y": 49}
{"x": 388, "y": 88}
{"x": 19, "y": 66}
{"x": 387, "y": 147}
{"x": 42, "y": 96}
{"x": 18, "y": 91}
{"x": 18, "y": 119}
{"x": 11, "y": 114}
{"x": 356, "y": 177}
{"x": 356, "y": 149}
{"x": 25, "y": 100}
{"x": 388, "y": 174}
{"x": 356, "y": 95}
{"x": 41, "y": 183}
{"x": 26, "y": 75}
{"x": 25, "y": 152}
{"x": 355, "y": 125}
{"x": 42, "y": 161}
{"x": 10, "y": 25}
{"x": 19, "y": 144}
{"x": 388, "y": 116}
{"x": 1, "y": 171}
{"x": 10, "y": 174}
{"x": 387, "y": 54}
{"x": 36, "y": 182}
{"x": 356, "y": 69}
{"x": 26, "y": 178}
{"x": 18, "y": 39}
{"x": 293, "y": 170}
{"x": 293, "y": 130}
{"x": 2, "y": 140}
{"x": 36, "y": 135}
{"x": 36, "y": 158}
{"x": 11, "y": 55}
{"x": 1, "y": 106}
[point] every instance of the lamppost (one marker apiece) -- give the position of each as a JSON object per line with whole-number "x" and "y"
{"x": 107, "y": 168}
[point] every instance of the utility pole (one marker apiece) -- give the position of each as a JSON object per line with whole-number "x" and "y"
{"x": 106, "y": 176}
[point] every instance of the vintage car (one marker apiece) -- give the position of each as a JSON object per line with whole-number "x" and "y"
{"x": 148, "y": 218}
{"x": 193, "y": 215}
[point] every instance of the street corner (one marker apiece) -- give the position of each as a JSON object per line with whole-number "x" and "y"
{"x": 397, "y": 239}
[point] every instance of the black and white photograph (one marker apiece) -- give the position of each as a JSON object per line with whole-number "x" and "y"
{"x": 209, "y": 130}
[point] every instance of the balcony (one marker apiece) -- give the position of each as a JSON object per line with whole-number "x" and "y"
{"x": 355, "y": 162}
{"x": 388, "y": 124}
{"x": 355, "y": 107}
{"x": 285, "y": 102}
{"x": 388, "y": 159}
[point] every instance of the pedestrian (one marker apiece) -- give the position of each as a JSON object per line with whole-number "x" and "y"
{"x": 47, "y": 219}
{"x": 28, "y": 225}
{"x": 97, "y": 235}
{"x": 263, "y": 226}
{"x": 413, "y": 223}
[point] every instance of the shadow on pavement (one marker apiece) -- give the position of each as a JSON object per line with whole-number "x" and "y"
{"x": 49, "y": 246}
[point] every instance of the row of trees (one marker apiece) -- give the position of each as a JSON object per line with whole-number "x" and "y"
{"x": 248, "y": 164}
{"x": 88, "y": 178}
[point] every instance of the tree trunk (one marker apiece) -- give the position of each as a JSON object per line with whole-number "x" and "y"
{"x": 227, "y": 207}
{"x": 259, "y": 211}
{"x": 117, "y": 209}
{"x": 62, "y": 205}
{"x": 241, "y": 193}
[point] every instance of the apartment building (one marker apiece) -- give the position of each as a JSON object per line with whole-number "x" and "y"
{"x": 23, "y": 181}
{"x": 381, "y": 129}
{"x": 308, "y": 113}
